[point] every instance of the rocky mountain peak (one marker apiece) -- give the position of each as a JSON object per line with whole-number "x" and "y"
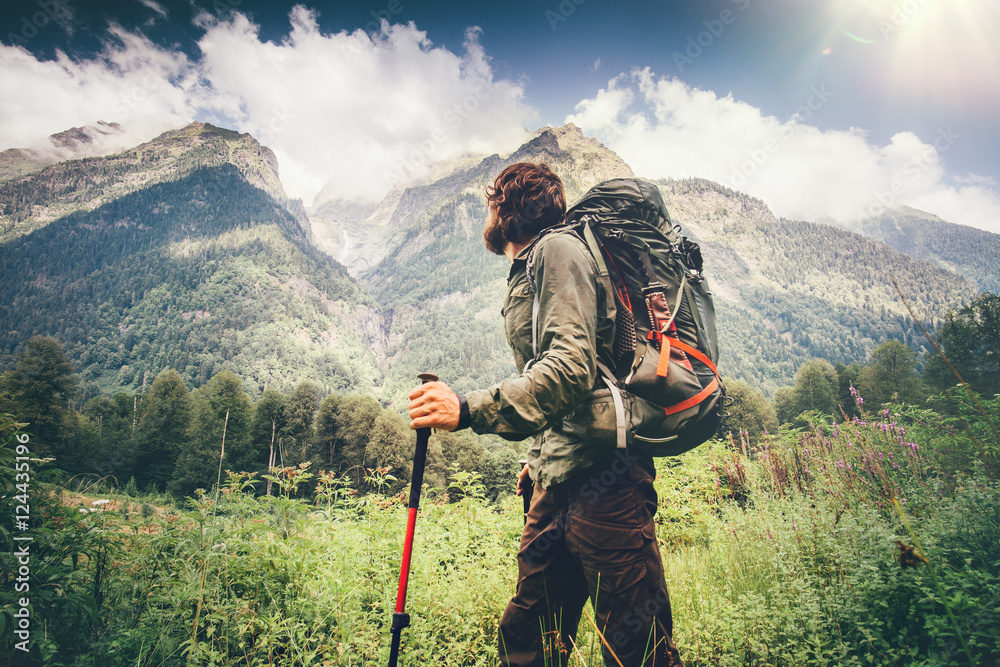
{"x": 205, "y": 144}
{"x": 71, "y": 185}
{"x": 580, "y": 161}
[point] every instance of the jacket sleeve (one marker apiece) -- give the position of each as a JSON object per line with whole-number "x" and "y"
{"x": 565, "y": 370}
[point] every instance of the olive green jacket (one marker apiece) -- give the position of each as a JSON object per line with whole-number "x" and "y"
{"x": 555, "y": 398}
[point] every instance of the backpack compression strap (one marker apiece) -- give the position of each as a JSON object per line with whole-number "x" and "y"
{"x": 704, "y": 393}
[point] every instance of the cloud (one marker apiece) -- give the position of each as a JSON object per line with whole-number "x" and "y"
{"x": 155, "y": 6}
{"x": 358, "y": 112}
{"x": 664, "y": 128}
{"x": 349, "y": 112}
{"x": 132, "y": 81}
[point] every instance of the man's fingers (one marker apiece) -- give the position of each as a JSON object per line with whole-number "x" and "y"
{"x": 422, "y": 389}
{"x": 433, "y": 405}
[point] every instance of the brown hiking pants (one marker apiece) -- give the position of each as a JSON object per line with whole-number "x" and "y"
{"x": 592, "y": 536}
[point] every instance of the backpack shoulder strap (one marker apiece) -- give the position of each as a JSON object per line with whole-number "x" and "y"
{"x": 594, "y": 246}
{"x": 609, "y": 292}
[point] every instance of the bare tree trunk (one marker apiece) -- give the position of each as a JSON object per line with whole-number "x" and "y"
{"x": 222, "y": 453}
{"x": 270, "y": 458}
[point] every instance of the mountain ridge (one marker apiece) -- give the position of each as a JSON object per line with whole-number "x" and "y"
{"x": 973, "y": 253}
{"x": 415, "y": 289}
{"x": 32, "y": 201}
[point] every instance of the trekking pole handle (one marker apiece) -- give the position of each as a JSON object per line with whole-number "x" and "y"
{"x": 420, "y": 456}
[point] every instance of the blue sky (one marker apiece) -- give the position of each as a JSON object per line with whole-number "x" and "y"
{"x": 823, "y": 108}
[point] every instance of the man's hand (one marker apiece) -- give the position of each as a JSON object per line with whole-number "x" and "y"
{"x": 434, "y": 405}
{"x": 523, "y": 480}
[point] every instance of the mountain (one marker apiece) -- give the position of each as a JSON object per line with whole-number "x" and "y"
{"x": 182, "y": 258}
{"x": 185, "y": 252}
{"x": 786, "y": 291}
{"x": 32, "y": 201}
{"x": 75, "y": 142}
{"x": 970, "y": 252}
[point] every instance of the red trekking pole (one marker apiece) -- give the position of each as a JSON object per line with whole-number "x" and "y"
{"x": 401, "y": 619}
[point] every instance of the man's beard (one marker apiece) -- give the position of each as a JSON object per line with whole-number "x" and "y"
{"x": 493, "y": 235}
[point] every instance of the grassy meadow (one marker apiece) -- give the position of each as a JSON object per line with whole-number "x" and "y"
{"x": 867, "y": 542}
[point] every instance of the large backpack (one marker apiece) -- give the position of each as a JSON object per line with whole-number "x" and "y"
{"x": 663, "y": 380}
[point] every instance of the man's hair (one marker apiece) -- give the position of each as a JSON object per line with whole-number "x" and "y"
{"x": 528, "y": 198}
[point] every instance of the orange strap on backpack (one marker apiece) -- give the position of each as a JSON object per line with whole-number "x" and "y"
{"x": 704, "y": 393}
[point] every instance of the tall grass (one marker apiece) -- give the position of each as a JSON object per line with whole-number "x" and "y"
{"x": 788, "y": 551}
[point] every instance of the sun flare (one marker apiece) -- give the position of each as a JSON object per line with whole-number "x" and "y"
{"x": 925, "y": 48}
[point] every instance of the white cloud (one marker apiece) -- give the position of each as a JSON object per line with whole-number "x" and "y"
{"x": 360, "y": 111}
{"x": 155, "y": 6}
{"x": 147, "y": 89}
{"x": 350, "y": 111}
{"x": 664, "y": 128}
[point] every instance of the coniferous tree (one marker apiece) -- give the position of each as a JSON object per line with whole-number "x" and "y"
{"x": 163, "y": 429}
{"x": 221, "y": 417}
{"x": 891, "y": 376}
{"x": 38, "y": 391}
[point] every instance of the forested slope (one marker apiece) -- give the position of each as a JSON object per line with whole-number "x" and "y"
{"x": 973, "y": 253}
{"x": 200, "y": 274}
{"x": 32, "y": 201}
{"x": 185, "y": 253}
{"x": 788, "y": 291}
